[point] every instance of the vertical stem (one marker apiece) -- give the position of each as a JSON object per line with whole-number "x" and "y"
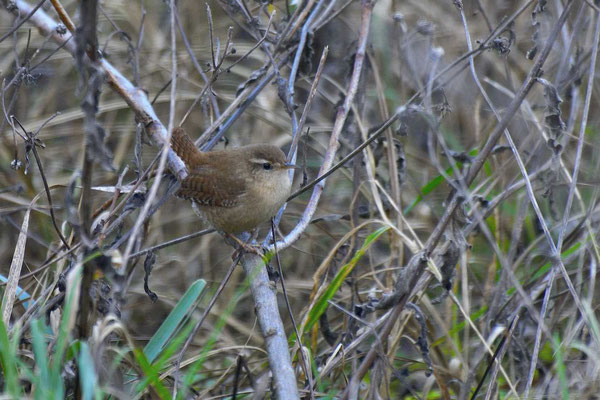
{"x": 84, "y": 215}
{"x": 86, "y": 41}
{"x": 271, "y": 326}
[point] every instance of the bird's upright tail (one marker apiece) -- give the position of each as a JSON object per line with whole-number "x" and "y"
{"x": 182, "y": 144}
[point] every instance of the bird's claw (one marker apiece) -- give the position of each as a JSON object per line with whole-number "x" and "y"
{"x": 245, "y": 247}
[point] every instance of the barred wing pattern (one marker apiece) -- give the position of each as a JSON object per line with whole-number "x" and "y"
{"x": 208, "y": 189}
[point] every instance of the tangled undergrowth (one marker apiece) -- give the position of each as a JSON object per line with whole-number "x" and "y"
{"x": 450, "y": 253}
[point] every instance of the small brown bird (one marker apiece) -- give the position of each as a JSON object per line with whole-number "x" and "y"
{"x": 235, "y": 189}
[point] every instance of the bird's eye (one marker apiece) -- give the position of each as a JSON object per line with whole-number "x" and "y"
{"x": 267, "y": 166}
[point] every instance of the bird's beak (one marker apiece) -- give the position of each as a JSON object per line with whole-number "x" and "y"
{"x": 291, "y": 166}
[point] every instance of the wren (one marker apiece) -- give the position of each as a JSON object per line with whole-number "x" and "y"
{"x": 235, "y": 189}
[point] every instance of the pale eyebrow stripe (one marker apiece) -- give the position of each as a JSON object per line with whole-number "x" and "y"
{"x": 259, "y": 160}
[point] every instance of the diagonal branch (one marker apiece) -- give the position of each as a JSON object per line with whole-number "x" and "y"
{"x": 340, "y": 120}
{"x": 135, "y": 97}
{"x": 264, "y": 298}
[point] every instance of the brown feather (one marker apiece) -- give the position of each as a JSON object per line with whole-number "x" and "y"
{"x": 185, "y": 148}
{"x": 235, "y": 189}
{"x": 206, "y": 185}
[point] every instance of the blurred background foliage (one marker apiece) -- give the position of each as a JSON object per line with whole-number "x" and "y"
{"x": 410, "y": 41}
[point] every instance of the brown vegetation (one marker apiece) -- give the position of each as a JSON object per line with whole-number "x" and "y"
{"x": 450, "y": 253}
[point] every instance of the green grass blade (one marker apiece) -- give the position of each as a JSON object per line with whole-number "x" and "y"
{"x": 560, "y": 367}
{"x": 425, "y": 190}
{"x": 41, "y": 358}
{"x": 162, "y": 362}
{"x": 151, "y": 373}
{"x": 458, "y": 327}
{"x": 62, "y": 341}
{"x": 434, "y": 183}
{"x": 190, "y": 376}
{"x": 174, "y": 344}
{"x": 87, "y": 373}
{"x": 546, "y": 267}
{"x": 173, "y": 321}
{"x": 8, "y": 357}
{"x": 321, "y": 304}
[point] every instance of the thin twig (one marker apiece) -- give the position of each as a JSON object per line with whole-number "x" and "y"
{"x": 572, "y": 188}
{"x": 172, "y": 242}
{"x": 259, "y": 43}
{"x": 32, "y": 142}
{"x": 211, "y": 35}
{"x": 188, "y": 47}
{"x": 305, "y": 363}
{"x": 292, "y": 153}
{"x": 308, "y": 104}
{"x": 194, "y": 331}
{"x": 581, "y": 138}
{"x": 166, "y": 147}
{"x": 62, "y": 14}
{"x": 350, "y": 155}
{"x": 557, "y": 261}
{"x": 418, "y": 267}
{"x": 341, "y": 116}
{"x": 236, "y": 108}
{"x": 21, "y": 22}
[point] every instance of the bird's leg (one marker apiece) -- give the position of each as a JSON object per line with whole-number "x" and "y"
{"x": 243, "y": 246}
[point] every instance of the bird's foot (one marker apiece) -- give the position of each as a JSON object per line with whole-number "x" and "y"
{"x": 242, "y": 246}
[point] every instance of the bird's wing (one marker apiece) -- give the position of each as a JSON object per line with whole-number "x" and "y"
{"x": 211, "y": 188}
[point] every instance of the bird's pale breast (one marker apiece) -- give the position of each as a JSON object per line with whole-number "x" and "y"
{"x": 258, "y": 205}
